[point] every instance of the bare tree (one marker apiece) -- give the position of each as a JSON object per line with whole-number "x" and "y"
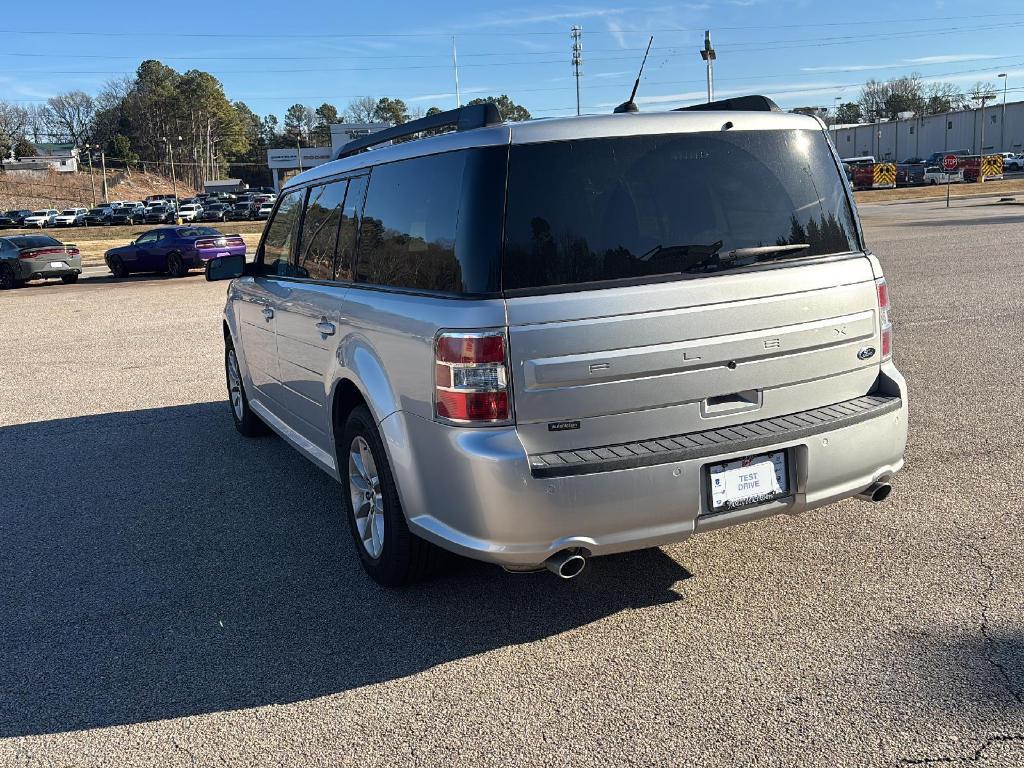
{"x": 889, "y": 100}
{"x": 981, "y": 91}
{"x": 361, "y": 110}
{"x": 14, "y": 120}
{"x": 70, "y": 116}
{"x": 942, "y": 97}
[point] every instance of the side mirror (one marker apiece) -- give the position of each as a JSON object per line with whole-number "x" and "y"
{"x": 225, "y": 267}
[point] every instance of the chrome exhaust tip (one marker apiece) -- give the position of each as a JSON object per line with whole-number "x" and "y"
{"x": 566, "y": 564}
{"x": 875, "y": 492}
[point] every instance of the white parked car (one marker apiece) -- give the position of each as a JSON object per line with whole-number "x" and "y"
{"x": 43, "y": 218}
{"x": 71, "y": 217}
{"x": 935, "y": 175}
{"x": 189, "y": 212}
{"x": 264, "y": 211}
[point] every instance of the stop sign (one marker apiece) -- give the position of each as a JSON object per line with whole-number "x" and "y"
{"x": 949, "y": 163}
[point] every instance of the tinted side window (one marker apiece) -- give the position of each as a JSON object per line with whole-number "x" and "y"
{"x": 407, "y": 235}
{"x": 350, "y": 227}
{"x": 320, "y": 230}
{"x": 282, "y": 231}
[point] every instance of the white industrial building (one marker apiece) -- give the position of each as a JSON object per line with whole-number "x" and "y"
{"x": 970, "y": 129}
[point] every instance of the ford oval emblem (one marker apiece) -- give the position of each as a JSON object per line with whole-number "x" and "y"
{"x": 865, "y": 353}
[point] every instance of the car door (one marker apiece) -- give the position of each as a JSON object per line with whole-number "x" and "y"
{"x": 310, "y": 312}
{"x": 257, "y": 301}
{"x": 135, "y": 256}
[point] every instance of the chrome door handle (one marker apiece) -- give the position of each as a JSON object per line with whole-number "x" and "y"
{"x": 325, "y": 328}
{"x": 268, "y": 312}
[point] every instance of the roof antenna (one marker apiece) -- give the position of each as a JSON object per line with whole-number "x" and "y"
{"x": 630, "y": 106}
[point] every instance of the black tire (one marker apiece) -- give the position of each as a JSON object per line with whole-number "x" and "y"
{"x": 175, "y": 265}
{"x": 404, "y": 557}
{"x": 117, "y": 268}
{"x": 246, "y": 421}
{"x": 69, "y": 279}
{"x": 7, "y": 279}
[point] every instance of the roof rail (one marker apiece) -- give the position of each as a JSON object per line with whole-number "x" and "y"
{"x": 739, "y": 103}
{"x": 463, "y": 118}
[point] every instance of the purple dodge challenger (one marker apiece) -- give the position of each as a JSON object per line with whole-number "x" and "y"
{"x": 174, "y": 250}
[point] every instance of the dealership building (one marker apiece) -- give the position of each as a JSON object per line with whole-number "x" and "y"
{"x": 996, "y": 128}
{"x": 285, "y": 163}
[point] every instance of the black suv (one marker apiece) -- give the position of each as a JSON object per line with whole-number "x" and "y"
{"x": 128, "y": 214}
{"x": 97, "y": 217}
{"x": 240, "y": 212}
{"x": 160, "y": 214}
{"x": 214, "y": 212}
{"x": 14, "y": 218}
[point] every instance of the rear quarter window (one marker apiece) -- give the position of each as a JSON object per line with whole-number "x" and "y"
{"x": 434, "y": 223}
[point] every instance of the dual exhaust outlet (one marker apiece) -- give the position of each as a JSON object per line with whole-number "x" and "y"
{"x": 568, "y": 564}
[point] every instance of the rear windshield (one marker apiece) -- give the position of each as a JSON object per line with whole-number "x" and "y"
{"x": 661, "y": 206}
{"x": 33, "y": 241}
{"x": 198, "y": 232}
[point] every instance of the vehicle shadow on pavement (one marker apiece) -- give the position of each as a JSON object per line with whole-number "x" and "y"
{"x": 155, "y": 564}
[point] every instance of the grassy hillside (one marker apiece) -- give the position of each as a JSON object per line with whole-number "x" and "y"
{"x": 49, "y": 189}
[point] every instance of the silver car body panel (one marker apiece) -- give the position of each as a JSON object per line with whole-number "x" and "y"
{"x": 622, "y": 363}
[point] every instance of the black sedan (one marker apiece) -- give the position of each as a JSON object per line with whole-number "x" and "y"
{"x": 14, "y": 218}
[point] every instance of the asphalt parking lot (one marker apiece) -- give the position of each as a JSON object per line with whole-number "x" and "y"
{"x": 172, "y": 594}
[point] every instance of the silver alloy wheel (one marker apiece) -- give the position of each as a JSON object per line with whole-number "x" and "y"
{"x": 235, "y": 385}
{"x": 367, "y": 500}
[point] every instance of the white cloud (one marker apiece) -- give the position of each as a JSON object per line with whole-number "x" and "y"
{"x": 509, "y": 20}
{"x": 442, "y": 96}
{"x": 950, "y": 58}
{"x": 849, "y": 67}
{"x": 617, "y": 32}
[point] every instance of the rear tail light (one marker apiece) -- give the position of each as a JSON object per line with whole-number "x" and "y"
{"x": 884, "y": 321}
{"x": 471, "y": 377}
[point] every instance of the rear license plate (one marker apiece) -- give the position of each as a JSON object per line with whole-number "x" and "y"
{"x": 58, "y": 265}
{"x": 748, "y": 481}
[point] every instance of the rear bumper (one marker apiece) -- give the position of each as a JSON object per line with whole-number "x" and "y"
{"x": 473, "y": 491}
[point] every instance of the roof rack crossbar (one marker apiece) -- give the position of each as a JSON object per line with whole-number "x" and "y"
{"x": 463, "y": 118}
{"x": 736, "y": 103}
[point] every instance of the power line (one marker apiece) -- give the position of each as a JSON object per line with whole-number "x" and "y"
{"x": 491, "y": 33}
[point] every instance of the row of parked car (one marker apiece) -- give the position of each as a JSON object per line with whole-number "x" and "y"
{"x": 156, "y": 209}
{"x": 172, "y": 250}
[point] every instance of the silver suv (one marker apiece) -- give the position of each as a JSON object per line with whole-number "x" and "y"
{"x": 538, "y": 342}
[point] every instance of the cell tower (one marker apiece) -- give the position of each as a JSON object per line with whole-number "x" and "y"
{"x": 577, "y": 59}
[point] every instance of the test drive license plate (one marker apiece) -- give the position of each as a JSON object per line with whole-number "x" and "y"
{"x": 751, "y": 480}
{"x": 58, "y": 265}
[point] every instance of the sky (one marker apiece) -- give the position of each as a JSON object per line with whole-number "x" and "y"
{"x": 272, "y": 55}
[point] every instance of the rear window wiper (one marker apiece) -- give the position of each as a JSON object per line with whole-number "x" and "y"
{"x": 706, "y": 250}
{"x": 766, "y": 252}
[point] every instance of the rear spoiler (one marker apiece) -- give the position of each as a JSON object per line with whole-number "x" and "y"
{"x": 736, "y": 104}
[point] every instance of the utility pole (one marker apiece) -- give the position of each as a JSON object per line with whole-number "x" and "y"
{"x": 1002, "y": 120}
{"x": 708, "y": 54}
{"x": 92, "y": 178}
{"x": 577, "y": 59}
{"x": 103, "y": 165}
{"x": 174, "y": 183}
{"x": 298, "y": 153}
{"x": 981, "y": 149}
{"x": 455, "y": 66}
{"x": 835, "y": 120}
